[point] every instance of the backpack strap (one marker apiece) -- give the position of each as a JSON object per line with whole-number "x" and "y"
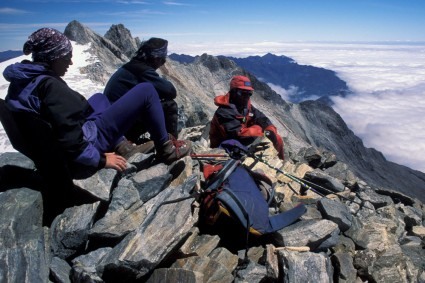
{"x": 283, "y": 219}
{"x": 215, "y": 182}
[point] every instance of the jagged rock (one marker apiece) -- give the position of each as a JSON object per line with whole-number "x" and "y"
{"x": 253, "y": 272}
{"x": 172, "y": 221}
{"x": 100, "y": 184}
{"x": 121, "y": 37}
{"x": 320, "y": 178}
{"x": 176, "y": 275}
{"x": 305, "y": 267}
{"x": 310, "y": 233}
{"x": 387, "y": 265}
{"x": 412, "y": 216}
{"x": 373, "y": 232}
{"x": 271, "y": 263}
{"x": 212, "y": 270}
{"x": 200, "y": 245}
{"x": 375, "y": 199}
{"x": 313, "y": 157}
{"x": 151, "y": 181}
{"x": 24, "y": 245}
{"x": 60, "y": 270}
{"x": 125, "y": 213}
{"x": 254, "y": 254}
{"x": 342, "y": 172}
{"x": 225, "y": 257}
{"x": 419, "y": 231}
{"x": 69, "y": 230}
{"x": 344, "y": 268}
{"x": 17, "y": 170}
{"x": 84, "y": 267}
{"x": 344, "y": 245}
{"x": 336, "y": 212}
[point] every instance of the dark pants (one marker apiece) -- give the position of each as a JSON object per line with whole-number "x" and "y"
{"x": 139, "y": 128}
{"x": 113, "y": 121}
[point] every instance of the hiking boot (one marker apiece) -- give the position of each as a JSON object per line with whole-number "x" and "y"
{"x": 126, "y": 148}
{"x": 173, "y": 150}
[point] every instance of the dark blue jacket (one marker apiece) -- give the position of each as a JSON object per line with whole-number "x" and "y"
{"x": 133, "y": 73}
{"x": 36, "y": 89}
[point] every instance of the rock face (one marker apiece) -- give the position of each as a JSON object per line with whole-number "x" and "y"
{"x": 364, "y": 221}
{"x": 149, "y": 229}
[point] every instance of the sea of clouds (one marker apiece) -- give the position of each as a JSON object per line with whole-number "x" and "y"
{"x": 387, "y": 108}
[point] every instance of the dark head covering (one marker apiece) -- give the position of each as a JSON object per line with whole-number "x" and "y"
{"x": 47, "y": 44}
{"x": 154, "y": 47}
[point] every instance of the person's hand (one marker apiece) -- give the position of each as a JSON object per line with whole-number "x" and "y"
{"x": 115, "y": 161}
{"x": 271, "y": 136}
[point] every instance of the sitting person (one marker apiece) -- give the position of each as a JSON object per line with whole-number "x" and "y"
{"x": 237, "y": 119}
{"x": 90, "y": 132}
{"x": 142, "y": 68}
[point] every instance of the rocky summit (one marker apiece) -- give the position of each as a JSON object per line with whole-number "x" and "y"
{"x": 364, "y": 221}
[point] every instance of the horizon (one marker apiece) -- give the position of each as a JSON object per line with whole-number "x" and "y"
{"x": 190, "y": 23}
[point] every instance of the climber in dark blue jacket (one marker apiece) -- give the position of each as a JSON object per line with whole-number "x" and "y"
{"x": 142, "y": 68}
{"x": 89, "y": 131}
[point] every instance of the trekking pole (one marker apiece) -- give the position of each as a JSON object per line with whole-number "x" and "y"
{"x": 304, "y": 183}
{"x": 211, "y": 156}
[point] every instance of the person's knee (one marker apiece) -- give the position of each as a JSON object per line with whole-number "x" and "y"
{"x": 147, "y": 88}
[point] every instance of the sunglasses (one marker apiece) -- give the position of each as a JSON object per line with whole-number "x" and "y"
{"x": 244, "y": 92}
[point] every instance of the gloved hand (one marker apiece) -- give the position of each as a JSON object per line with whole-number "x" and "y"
{"x": 271, "y": 133}
{"x": 271, "y": 136}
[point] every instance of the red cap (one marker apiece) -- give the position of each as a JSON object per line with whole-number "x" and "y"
{"x": 240, "y": 82}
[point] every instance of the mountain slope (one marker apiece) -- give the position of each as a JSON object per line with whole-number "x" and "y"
{"x": 305, "y": 125}
{"x": 301, "y": 82}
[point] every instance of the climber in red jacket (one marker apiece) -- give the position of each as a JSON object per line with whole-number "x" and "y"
{"x": 237, "y": 119}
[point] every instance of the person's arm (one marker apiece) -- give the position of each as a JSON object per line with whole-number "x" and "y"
{"x": 165, "y": 88}
{"x": 233, "y": 124}
{"x": 269, "y": 130}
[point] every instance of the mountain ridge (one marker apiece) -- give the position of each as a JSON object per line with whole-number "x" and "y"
{"x": 309, "y": 124}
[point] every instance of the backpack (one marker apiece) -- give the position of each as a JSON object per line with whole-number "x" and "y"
{"x": 234, "y": 191}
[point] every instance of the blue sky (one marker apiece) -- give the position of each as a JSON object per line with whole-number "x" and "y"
{"x": 222, "y": 21}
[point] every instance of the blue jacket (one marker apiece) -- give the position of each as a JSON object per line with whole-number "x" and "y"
{"x": 133, "y": 73}
{"x": 36, "y": 89}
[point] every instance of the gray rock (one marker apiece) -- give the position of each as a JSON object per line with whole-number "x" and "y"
{"x": 212, "y": 270}
{"x": 162, "y": 232}
{"x": 84, "y": 266}
{"x": 125, "y": 214}
{"x": 375, "y": 199}
{"x": 336, "y": 212}
{"x": 200, "y": 245}
{"x": 225, "y": 257}
{"x": 254, "y": 273}
{"x": 330, "y": 184}
{"x": 70, "y": 230}
{"x": 310, "y": 233}
{"x": 305, "y": 267}
{"x": 99, "y": 184}
{"x": 24, "y": 246}
{"x": 171, "y": 275}
{"x": 344, "y": 268}
{"x": 60, "y": 270}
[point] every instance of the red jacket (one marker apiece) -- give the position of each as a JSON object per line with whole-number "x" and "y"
{"x": 229, "y": 123}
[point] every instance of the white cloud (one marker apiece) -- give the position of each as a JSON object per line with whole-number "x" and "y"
{"x": 284, "y": 93}
{"x": 12, "y": 11}
{"x": 388, "y": 108}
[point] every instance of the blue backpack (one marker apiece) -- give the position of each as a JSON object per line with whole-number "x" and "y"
{"x": 235, "y": 191}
